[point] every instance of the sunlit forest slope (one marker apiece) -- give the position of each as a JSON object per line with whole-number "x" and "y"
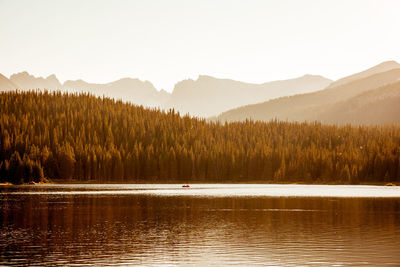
{"x": 82, "y": 137}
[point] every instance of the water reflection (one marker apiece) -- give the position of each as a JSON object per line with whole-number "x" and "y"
{"x": 214, "y": 190}
{"x": 52, "y": 229}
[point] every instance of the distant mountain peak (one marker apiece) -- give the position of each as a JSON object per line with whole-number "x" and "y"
{"x": 381, "y": 67}
{"x": 20, "y": 74}
{"x": 206, "y": 77}
{"x": 312, "y": 76}
{"x": 26, "y": 81}
{"x": 389, "y": 63}
{"x": 384, "y": 66}
{"x": 128, "y": 79}
{"x": 52, "y": 77}
{"x": 6, "y": 84}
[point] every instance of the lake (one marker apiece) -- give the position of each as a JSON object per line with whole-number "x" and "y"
{"x": 204, "y": 225}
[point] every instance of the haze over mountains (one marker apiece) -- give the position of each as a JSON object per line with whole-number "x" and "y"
{"x": 348, "y": 100}
{"x": 383, "y": 67}
{"x": 368, "y": 97}
{"x": 127, "y": 89}
{"x": 25, "y": 81}
{"x": 207, "y": 96}
{"x": 6, "y": 84}
{"x": 377, "y": 106}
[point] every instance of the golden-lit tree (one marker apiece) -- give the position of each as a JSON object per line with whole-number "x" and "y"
{"x": 82, "y": 137}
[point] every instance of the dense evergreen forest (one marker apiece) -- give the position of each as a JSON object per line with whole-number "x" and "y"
{"x": 78, "y": 136}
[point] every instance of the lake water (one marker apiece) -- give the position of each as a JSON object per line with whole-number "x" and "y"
{"x": 204, "y": 225}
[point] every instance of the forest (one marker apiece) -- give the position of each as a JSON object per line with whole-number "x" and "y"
{"x": 51, "y": 136}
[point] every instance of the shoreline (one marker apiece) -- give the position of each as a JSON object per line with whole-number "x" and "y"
{"x": 56, "y": 182}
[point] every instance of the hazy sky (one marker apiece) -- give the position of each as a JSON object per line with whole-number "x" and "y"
{"x": 167, "y": 41}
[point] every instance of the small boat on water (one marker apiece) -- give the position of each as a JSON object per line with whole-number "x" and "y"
{"x": 186, "y": 185}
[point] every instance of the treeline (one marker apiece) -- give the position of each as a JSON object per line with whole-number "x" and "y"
{"x": 81, "y": 137}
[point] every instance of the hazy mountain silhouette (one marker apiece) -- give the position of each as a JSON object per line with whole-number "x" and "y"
{"x": 383, "y": 67}
{"x": 377, "y": 106}
{"x": 204, "y": 97}
{"x": 25, "y": 81}
{"x": 209, "y": 96}
{"x": 126, "y": 89}
{"x": 6, "y": 84}
{"x": 310, "y": 106}
{"x": 309, "y": 97}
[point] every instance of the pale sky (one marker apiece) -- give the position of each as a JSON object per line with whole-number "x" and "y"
{"x": 168, "y": 41}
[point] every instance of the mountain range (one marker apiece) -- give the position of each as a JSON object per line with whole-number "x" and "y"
{"x": 377, "y": 106}
{"x": 368, "y": 97}
{"x": 204, "y": 97}
{"x": 352, "y": 99}
{"x": 208, "y": 96}
{"x": 126, "y": 89}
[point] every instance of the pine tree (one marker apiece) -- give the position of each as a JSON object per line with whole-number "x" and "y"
{"x": 78, "y": 136}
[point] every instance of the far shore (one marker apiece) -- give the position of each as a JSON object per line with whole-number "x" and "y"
{"x": 61, "y": 182}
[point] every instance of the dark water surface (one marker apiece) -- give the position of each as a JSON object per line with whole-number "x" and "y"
{"x": 153, "y": 225}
